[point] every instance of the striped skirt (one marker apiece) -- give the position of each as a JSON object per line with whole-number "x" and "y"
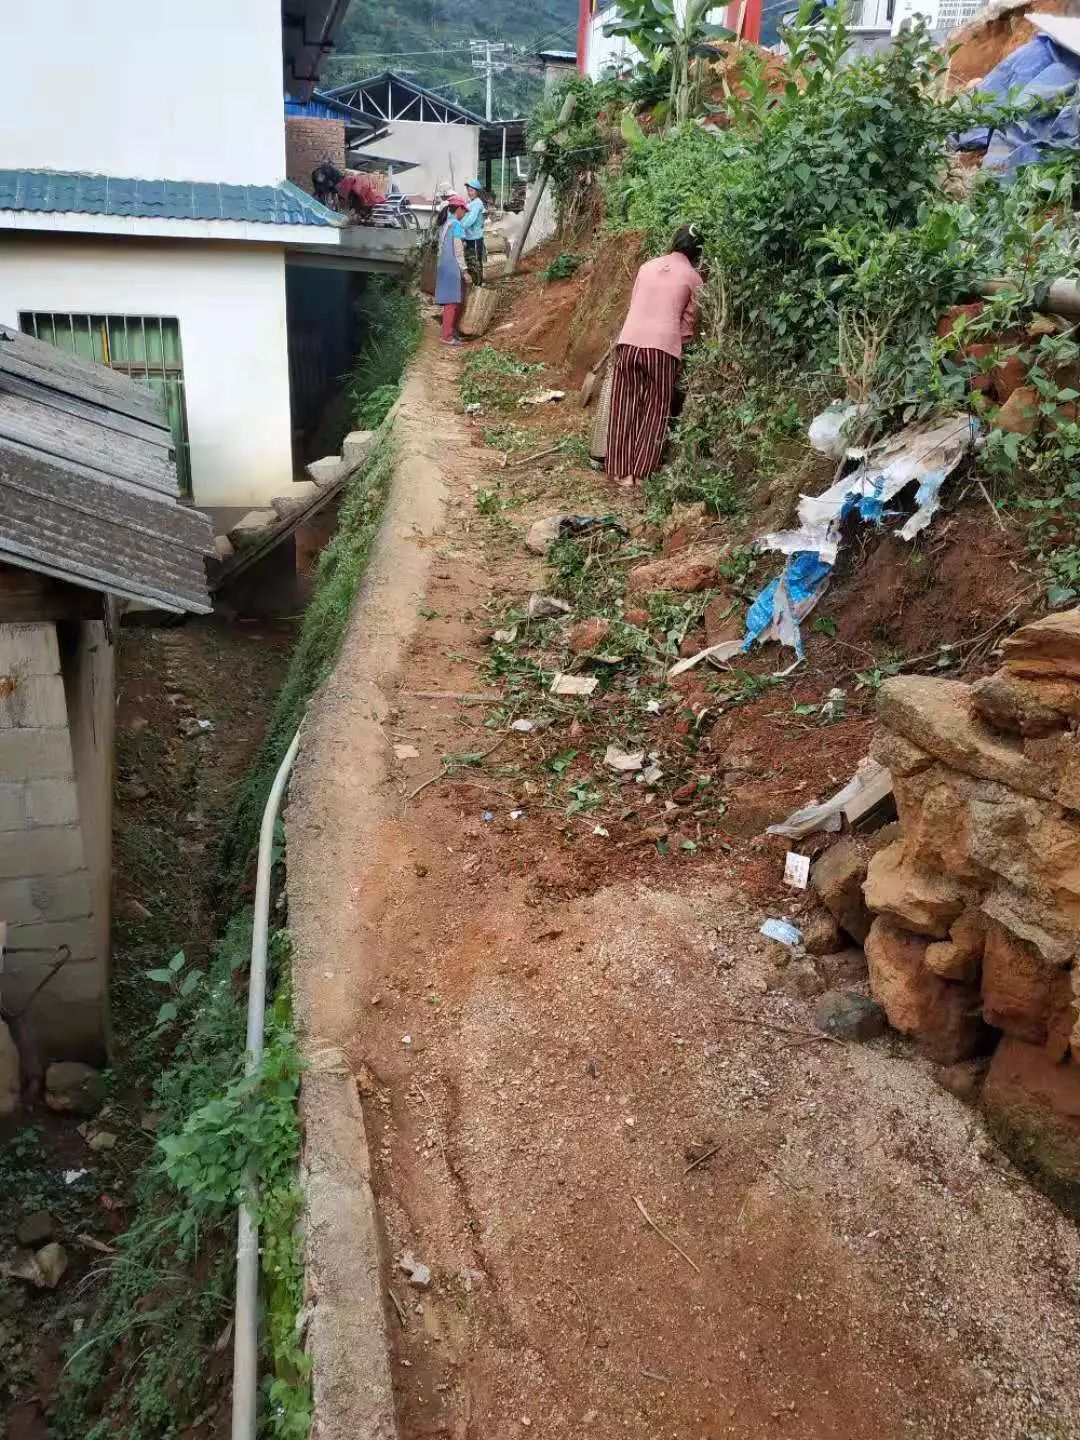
{"x": 641, "y": 395}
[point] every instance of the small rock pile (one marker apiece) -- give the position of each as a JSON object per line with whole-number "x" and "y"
{"x": 976, "y": 931}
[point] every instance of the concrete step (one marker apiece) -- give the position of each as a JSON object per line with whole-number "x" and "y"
{"x": 297, "y": 497}
{"x": 356, "y": 447}
{"x": 329, "y": 470}
{"x": 250, "y": 527}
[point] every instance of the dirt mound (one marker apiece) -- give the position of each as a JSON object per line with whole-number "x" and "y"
{"x": 985, "y": 41}
{"x": 568, "y": 324}
{"x": 914, "y": 599}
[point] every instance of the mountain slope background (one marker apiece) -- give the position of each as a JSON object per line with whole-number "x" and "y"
{"x": 429, "y": 40}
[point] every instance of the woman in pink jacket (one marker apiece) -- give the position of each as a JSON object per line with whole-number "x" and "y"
{"x": 662, "y": 315}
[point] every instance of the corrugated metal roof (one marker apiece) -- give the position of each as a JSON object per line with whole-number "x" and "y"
{"x": 71, "y": 192}
{"x": 323, "y": 106}
{"x": 88, "y": 489}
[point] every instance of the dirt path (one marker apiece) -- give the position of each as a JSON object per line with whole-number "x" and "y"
{"x": 540, "y": 1063}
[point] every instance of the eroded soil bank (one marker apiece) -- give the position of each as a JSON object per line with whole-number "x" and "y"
{"x": 653, "y": 1201}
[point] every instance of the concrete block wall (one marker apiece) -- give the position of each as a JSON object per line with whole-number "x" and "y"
{"x": 308, "y": 143}
{"x": 54, "y": 853}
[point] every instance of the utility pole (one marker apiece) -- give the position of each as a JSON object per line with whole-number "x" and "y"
{"x": 483, "y": 53}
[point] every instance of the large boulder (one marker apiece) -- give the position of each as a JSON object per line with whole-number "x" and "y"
{"x": 942, "y": 1018}
{"x": 1033, "y": 1106}
{"x": 837, "y": 878}
{"x": 1022, "y": 706}
{"x": 1049, "y": 647}
{"x": 938, "y": 716}
{"x": 1027, "y": 917}
{"x": 900, "y": 756}
{"x": 1021, "y": 993}
{"x": 983, "y": 834}
{"x": 925, "y": 903}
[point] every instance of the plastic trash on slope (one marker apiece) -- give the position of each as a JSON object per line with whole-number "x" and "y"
{"x": 870, "y": 784}
{"x": 925, "y": 453}
{"x": 1040, "y": 71}
{"x": 829, "y": 432}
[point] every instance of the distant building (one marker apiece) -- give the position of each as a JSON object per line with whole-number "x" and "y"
{"x": 322, "y": 129}
{"x": 147, "y": 221}
{"x": 447, "y": 144}
{"x": 872, "y": 23}
{"x": 89, "y": 515}
{"x": 557, "y": 65}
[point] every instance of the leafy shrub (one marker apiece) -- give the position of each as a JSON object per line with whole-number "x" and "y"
{"x": 563, "y": 266}
{"x": 798, "y": 195}
{"x": 580, "y": 148}
{"x": 391, "y": 320}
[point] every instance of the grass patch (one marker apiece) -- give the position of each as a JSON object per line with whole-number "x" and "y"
{"x": 392, "y": 332}
{"x": 494, "y": 380}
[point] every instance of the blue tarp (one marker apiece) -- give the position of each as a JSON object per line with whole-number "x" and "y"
{"x": 1040, "y": 72}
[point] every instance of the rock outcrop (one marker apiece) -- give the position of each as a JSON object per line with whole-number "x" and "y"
{"x": 975, "y": 944}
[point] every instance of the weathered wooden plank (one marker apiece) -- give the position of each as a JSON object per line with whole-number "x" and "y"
{"x": 156, "y": 434}
{"x": 35, "y": 360}
{"x": 100, "y": 555}
{"x": 86, "y": 443}
{"x": 65, "y": 486}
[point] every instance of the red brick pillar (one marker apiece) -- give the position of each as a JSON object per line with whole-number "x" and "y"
{"x": 308, "y": 143}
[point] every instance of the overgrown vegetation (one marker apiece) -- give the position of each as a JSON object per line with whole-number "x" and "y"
{"x": 391, "y": 334}
{"x": 563, "y": 266}
{"x": 836, "y": 237}
{"x": 156, "y": 1355}
{"x": 493, "y": 380}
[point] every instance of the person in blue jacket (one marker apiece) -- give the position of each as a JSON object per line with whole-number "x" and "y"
{"x": 472, "y": 227}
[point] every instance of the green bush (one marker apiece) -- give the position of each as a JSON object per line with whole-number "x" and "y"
{"x": 563, "y": 266}
{"x": 392, "y": 328}
{"x": 584, "y": 145}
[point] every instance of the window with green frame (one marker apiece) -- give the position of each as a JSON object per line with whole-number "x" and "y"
{"x": 146, "y": 347}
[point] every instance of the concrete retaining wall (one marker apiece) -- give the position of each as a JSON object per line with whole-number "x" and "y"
{"x": 56, "y": 736}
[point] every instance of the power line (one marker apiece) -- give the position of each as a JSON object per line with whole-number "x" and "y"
{"x": 402, "y": 54}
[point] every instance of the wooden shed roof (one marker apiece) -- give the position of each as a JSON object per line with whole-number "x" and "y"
{"x": 88, "y": 488}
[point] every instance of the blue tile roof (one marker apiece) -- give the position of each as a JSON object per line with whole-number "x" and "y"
{"x": 67, "y": 192}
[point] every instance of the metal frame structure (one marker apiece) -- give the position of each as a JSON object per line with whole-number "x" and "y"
{"x": 391, "y": 96}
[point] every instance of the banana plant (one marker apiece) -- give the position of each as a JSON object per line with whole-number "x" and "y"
{"x": 679, "y": 33}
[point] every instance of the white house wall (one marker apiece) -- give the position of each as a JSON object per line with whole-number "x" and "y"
{"x": 444, "y": 154}
{"x": 607, "y": 52}
{"x": 612, "y": 52}
{"x": 182, "y": 91}
{"x": 230, "y": 302}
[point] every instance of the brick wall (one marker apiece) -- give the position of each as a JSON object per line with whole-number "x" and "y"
{"x": 54, "y": 860}
{"x": 307, "y": 143}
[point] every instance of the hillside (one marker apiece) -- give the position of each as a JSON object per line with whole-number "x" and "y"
{"x": 430, "y": 40}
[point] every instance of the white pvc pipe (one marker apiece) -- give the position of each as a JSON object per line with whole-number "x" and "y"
{"x": 246, "y": 1314}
